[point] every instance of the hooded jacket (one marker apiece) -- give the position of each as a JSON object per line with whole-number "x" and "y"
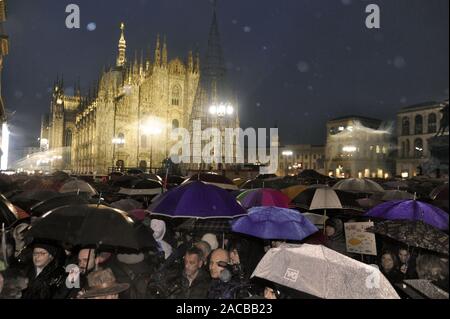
{"x": 159, "y": 230}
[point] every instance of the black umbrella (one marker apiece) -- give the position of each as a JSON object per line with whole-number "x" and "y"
{"x": 413, "y": 233}
{"x": 8, "y": 214}
{"x": 205, "y": 226}
{"x": 93, "y": 225}
{"x": 45, "y": 206}
{"x": 26, "y": 200}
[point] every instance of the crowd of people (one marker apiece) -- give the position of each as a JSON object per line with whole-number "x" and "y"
{"x": 187, "y": 265}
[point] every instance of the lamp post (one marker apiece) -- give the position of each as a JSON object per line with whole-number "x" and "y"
{"x": 286, "y": 155}
{"x": 220, "y": 111}
{"x": 120, "y": 140}
{"x": 152, "y": 128}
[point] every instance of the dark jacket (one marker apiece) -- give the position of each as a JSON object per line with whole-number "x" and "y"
{"x": 394, "y": 276}
{"x": 223, "y": 290}
{"x": 46, "y": 284}
{"x": 197, "y": 290}
{"x": 337, "y": 241}
{"x": 136, "y": 275}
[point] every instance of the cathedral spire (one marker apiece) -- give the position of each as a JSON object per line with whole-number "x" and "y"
{"x": 158, "y": 52}
{"x": 214, "y": 66}
{"x": 121, "y": 59}
{"x": 164, "y": 53}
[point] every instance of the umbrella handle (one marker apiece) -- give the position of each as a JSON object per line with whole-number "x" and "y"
{"x": 4, "y": 250}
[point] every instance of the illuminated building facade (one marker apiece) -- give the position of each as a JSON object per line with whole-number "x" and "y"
{"x": 359, "y": 147}
{"x": 416, "y": 125}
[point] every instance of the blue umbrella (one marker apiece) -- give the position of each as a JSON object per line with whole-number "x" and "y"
{"x": 197, "y": 200}
{"x": 274, "y": 223}
{"x": 411, "y": 210}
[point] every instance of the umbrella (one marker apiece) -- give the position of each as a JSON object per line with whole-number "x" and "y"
{"x": 45, "y": 206}
{"x": 274, "y": 223}
{"x": 78, "y": 186}
{"x": 396, "y": 195}
{"x": 309, "y": 174}
{"x": 358, "y": 185}
{"x": 28, "y": 199}
{"x": 274, "y": 183}
{"x": 205, "y": 226}
{"x": 213, "y": 179}
{"x": 263, "y": 197}
{"x": 197, "y": 200}
{"x": 422, "y": 288}
{"x": 8, "y": 213}
{"x": 293, "y": 191}
{"x": 142, "y": 187}
{"x": 93, "y": 225}
{"x": 396, "y": 184}
{"x": 316, "y": 219}
{"x": 324, "y": 273}
{"x": 413, "y": 233}
{"x": 127, "y": 204}
{"x": 411, "y": 210}
{"x": 440, "y": 193}
{"x": 325, "y": 198}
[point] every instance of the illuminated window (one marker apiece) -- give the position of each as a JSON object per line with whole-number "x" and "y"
{"x": 176, "y": 95}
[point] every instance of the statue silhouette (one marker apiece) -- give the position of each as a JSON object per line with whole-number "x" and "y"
{"x": 444, "y": 120}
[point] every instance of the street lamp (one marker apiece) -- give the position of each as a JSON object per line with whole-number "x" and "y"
{"x": 120, "y": 140}
{"x": 152, "y": 128}
{"x": 220, "y": 111}
{"x": 286, "y": 154}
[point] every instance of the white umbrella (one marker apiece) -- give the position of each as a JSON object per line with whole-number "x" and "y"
{"x": 325, "y": 198}
{"x": 324, "y": 273}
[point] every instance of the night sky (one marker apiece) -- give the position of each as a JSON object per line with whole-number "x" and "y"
{"x": 294, "y": 63}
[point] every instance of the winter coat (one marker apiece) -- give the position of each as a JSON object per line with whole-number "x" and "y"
{"x": 197, "y": 290}
{"x": 46, "y": 284}
{"x": 223, "y": 290}
{"x": 337, "y": 241}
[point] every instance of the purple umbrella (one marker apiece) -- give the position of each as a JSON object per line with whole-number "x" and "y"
{"x": 274, "y": 223}
{"x": 197, "y": 200}
{"x": 411, "y": 210}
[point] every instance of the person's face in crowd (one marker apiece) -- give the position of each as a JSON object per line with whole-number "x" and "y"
{"x": 217, "y": 257}
{"x": 330, "y": 231}
{"x": 192, "y": 263}
{"x": 234, "y": 257}
{"x": 269, "y": 293}
{"x": 86, "y": 260}
{"x": 41, "y": 257}
{"x": 403, "y": 256}
{"x": 387, "y": 262}
{"x": 206, "y": 250}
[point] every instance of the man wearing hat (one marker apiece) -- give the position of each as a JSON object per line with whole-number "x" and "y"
{"x": 103, "y": 285}
{"x": 46, "y": 275}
